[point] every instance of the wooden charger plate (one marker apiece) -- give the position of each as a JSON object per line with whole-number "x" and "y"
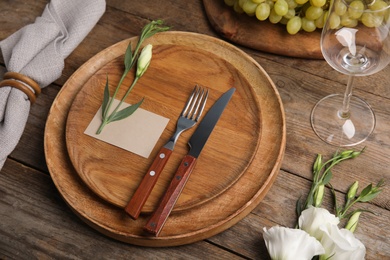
{"x": 244, "y": 175}
{"x": 261, "y": 35}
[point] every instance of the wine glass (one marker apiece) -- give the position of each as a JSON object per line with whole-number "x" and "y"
{"x": 355, "y": 41}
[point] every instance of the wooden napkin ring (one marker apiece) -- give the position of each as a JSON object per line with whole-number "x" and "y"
{"x": 21, "y": 82}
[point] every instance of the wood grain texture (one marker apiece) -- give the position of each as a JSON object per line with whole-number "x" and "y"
{"x": 35, "y": 223}
{"x": 39, "y": 225}
{"x": 261, "y": 35}
{"x": 206, "y": 220}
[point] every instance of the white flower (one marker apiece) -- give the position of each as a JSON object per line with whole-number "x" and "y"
{"x": 312, "y": 218}
{"x": 295, "y": 244}
{"x": 144, "y": 60}
{"x": 341, "y": 244}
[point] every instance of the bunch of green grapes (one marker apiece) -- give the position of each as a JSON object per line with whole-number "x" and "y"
{"x": 308, "y": 15}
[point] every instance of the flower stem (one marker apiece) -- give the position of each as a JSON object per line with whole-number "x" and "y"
{"x": 123, "y": 99}
{"x": 102, "y": 125}
{"x": 116, "y": 92}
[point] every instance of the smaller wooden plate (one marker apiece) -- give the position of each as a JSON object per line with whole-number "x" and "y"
{"x": 261, "y": 35}
{"x": 178, "y": 64}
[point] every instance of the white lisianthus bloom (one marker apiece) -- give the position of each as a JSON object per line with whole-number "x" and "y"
{"x": 341, "y": 244}
{"x": 312, "y": 218}
{"x": 144, "y": 60}
{"x": 287, "y": 243}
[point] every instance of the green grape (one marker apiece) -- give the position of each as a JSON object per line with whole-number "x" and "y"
{"x": 291, "y": 4}
{"x": 229, "y": 2}
{"x": 301, "y": 2}
{"x": 347, "y": 21}
{"x": 258, "y": 1}
{"x": 318, "y": 3}
{"x": 308, "y": 25}
{"x": 320, "y": 21}
{"x": 355, "y": 9}
{"x": 294, "y": 25}
{"x": 249, "y": 7}
{"x": 281, "y": 7}
{"x": 334, "y": 21}
{"x": 379, "y": 5}
{"x": 270, "y": 3}
{"x": 290, "y": 14}
{"x": 262, "y": 11}
{"x": 304, "y": 8}
{"x": 371, "y": 20}
{"x": 313, "y": 12}
{"x": 274, "y": 17}
{"x": 340, "y": 8}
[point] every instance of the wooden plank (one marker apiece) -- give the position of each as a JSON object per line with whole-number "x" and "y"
{"x": 278, "y": 208}
{"x": 36, "y": 223}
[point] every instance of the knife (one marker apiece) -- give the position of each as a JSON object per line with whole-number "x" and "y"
{"x": 179, "y": 180}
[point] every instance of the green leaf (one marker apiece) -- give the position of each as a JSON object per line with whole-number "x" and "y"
{"x": 366, "y": 191}
{"x": 369, "y": 197}
{"x": 106, "y": 98}
{"x": 128, "y": 57}
{"x": 125, "y": 112}
{"x": 327, "y": 178}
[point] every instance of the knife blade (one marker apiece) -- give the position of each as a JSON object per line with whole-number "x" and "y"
{"x": 196, "y": 143}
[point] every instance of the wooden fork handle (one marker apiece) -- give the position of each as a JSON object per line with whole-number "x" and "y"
{"x": 160, "y": 215}
{"x": 143, "y": 191}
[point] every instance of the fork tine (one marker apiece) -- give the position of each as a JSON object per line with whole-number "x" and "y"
{"x": 193, "y": 103}
{"x": 201, "y": 93}
{"x": 189, "y": 101}
{"x": 206, "y": 95}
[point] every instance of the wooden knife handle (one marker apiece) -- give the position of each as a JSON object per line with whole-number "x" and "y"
{"x": 143, "y": 191}
{"x": 160, "y": 215}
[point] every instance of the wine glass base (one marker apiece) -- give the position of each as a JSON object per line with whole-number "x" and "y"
{"x": 328, "y": 124}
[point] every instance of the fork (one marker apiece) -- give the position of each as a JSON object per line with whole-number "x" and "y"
{"x": 188, "y": 118}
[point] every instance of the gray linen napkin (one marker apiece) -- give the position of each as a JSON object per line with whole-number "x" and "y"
{"x": 38, "y": 51}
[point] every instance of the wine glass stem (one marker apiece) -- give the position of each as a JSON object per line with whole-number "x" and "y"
{"x": 344, "y": 112}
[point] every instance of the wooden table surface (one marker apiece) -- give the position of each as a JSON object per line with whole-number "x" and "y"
{"x": 35, "y": 222}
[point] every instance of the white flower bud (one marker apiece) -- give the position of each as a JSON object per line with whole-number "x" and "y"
{"x": 353, "y": 221}
{"x": 144, "y": 60}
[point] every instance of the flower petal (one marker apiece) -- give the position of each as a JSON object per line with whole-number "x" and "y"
{"x": 286, "y": 243}
{"x": 312, "y": 218}
{"x": 341, "y": 244}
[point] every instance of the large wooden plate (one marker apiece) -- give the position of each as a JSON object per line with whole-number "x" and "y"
{"x": 261, "y": 35}
{"x": 240, "y": 194}
{"x": 178, "y": 64}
